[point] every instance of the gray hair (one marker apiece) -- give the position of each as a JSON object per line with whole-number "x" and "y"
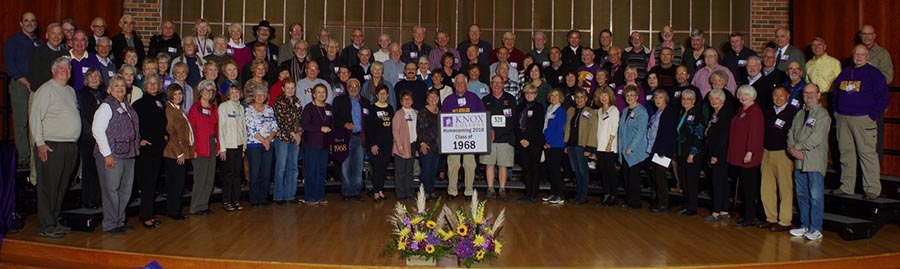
{"x": 720, "y": 74}
{"x": 540, "y": 34}
{"x": 717, "y": 93}
{"x": 747, "y": 89}
{"x": 122, "y": 19}
{"x": 697, "y": 33}
{"x": 692, "y": 94}
{"x": 129, "y": 67}
{"x": 204, "y": 84}
{"x": 754, "y": 58}
{"x": 236, "y": 25}
{"x": 663, "y": 93}
{"x": 60, "y": 61}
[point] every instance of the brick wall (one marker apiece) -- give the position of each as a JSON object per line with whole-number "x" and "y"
{"x": 146, "y": 15}
{"x": 765, "y": 17}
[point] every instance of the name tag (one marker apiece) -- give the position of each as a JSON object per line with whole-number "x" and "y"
{"x": 229, "y": 51}
{"x": 297, "y": 105}
{"x": 400, "y": 76}
{"x": 204, "y": 111}
{"x": 714, "y": 119}
{"x": 338, "y": 90}
{"x": 649, "y": 97}
{"x": 613, "y": 85}
{"x": 507, "y": 112}
{"x": 408, "y": 117}
{"x": 461, "y": 101}
{"x": 232, "y": 114}
{"x": 514, "y": 64}
{"x": 484, "y": 90}
{"x": 530, "y": 113}
{"x": 336, "y": 68}
{"x": 480, "y": 50}
{"x": 111, "y": 73}
{"x": 498, "y": 121}
{"x": 172, "y": 50}
{"x": 367, "y": 77}
{"x": 677, "y": 94}
{"x": 328, "y": 113}
{"x": 120, "y": 110}
{"x": 742, "y": 63}
{"x": 795, "y": 102}
{"x": 545, "y": 63}
{"x": 381, "y": 113}
{"x": 560, "y": 79}
{"x": 810, "y": 123}
{"x": 589, "y": 77}
{"x": 779, "y": 123}
{"x": 619, "y": 92}
{"x": 456, "y": 60}
{"x": 605, "y": 116}
{"x": 698, "y": 63}
{"x": 850, "y": 86}
{"x": 274, "y": 57}
{"x": 743, "y": 114}
{"x": 413, "y": 54}
{"x": 632, "y": 115}
{"x": 586, "y": 115}
{"x": 690, "y": 119}
{"x": 365, "y": 111}
{"x": 784, "y": 57}
{"x": 84, "y": 69}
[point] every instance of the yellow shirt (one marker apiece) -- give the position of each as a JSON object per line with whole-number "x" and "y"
{"x": 822, "y": 71}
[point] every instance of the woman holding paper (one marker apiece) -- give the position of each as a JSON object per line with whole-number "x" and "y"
{"x": 661, "y": 136}
{"x": 632, "y": 145}
{"x": 745, "y": 147}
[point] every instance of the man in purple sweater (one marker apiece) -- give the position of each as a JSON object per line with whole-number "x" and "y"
{"x": 860, "y": 97}
{"x": 461, "y": 101}
{"x": 81, "y": 60}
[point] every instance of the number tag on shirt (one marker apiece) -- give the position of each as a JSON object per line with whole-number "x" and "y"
{"x": 338, "y": 90}
{"x": 613, "y": 85}
{"x": 779, "y": 123}
{"x": 586, "y": 115}
{"x": 413, "y": 54}
{"x": 328, "y": 113}
{"x": 172, "y": 50}
{"x": 795, "y": 103}
{"x": 498, "y": 121}
{"x": 205, "y": 111}
{"x": 365, "y": 111}
{"x": 507, "y": 112}
{"x": 367, "y": 77}
{"x": 677, "y": 94}
{"x": 111, "y": 73}
{"x": 698, "y": 63}
{"x": 810, "y": 123}
{"x": 461, "y": 101}
{"x": 530, "y": 113}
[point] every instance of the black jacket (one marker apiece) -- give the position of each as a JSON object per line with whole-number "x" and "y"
{"x": 717, "y": 134}
{"x": 172, "y": 47}
{"x": 87, "y": 106}
{"x": 378, "y": 129}
{"x": 343, "y": 110}
{"x": 118, "y": 48}
{"x": 666, "y": 133}
{"x": 533, "y": 129}
{"x": 764, "y": 87}
{"x": 691, "y": 132}
{"x": 151, "y": 110}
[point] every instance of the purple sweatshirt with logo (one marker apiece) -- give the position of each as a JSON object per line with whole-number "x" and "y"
{"x": 860, "y": 91}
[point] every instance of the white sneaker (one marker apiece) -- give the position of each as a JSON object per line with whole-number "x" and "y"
{"x": 813, "y": 235}
{"x": 799, "y": 231}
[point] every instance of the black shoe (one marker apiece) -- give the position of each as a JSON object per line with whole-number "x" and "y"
{"x": 743, "y": 223}
{"x": 156, "y": 222}
{"x": 91, "y": 205}
{"x": 116, "y": 231}
{"x": 688, "y": 213}
{"x": 151, "y": 226}
{"x": 279, "y": 202}
{"x": 525, "y": 199}
{"x": 359, "y": 198}
{"x": 127, "y": 227}
{"x": 660, "y": 209}
{"x": 178, "y": 217}
{"x": 627, "y": 206}
{"x": 580, "y": 201}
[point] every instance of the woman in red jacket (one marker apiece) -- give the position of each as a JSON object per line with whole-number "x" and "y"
{"x": 204, "y": 119}
{"x": 745, "y": 147}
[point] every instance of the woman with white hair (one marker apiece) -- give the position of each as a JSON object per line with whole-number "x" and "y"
{"x": 236, "y": 48}
{"x": 745, "y": 147}
{"x": 716, "y": 140}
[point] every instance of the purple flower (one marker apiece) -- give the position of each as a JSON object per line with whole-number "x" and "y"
{"x": 413, "y": 246}
{"x": 464, "y": 249}
{"x": 431, "y": 239}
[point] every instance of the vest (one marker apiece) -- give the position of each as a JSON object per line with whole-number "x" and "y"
{"x": 122, "y": 132}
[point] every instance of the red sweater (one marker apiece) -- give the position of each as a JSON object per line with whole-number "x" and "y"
{"x": 747, "y": 131}
{"x": 204, "y": 121}
{"x": 274, "y": 92}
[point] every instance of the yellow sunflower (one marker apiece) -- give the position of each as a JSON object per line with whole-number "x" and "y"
{"x": 401, "y": 245}
{"x": 497, "y": 247}
{"x": 416, "y": 220}
{"x": 430, "y": 224}
{"x": 479, "y": 240}
{"x": 405, "y": 232}
{"x": 429, "y": 249}
{"x": 479, "y": 255}
{"x": 462, "y": 230}
{"x": 419, "y": 236}
{"x": 446, "y": 235}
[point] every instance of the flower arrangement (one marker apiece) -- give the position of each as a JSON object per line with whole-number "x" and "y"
{"x": 470, "y": 235}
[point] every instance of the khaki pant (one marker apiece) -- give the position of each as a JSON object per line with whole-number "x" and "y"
{"x": 468, "y": 163}
{"x": 857, "y": 136}
{"x": 777, "y": 187}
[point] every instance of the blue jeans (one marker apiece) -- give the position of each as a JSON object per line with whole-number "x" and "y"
{"x": 429, "y": 163}
{"x": 580, "y": 167}
{"x": 285, "y": 170}
{"x": 810, "y": 188}
{"x": 315, "y": 163}
{"x": 260, "y": 162}
{"x": 351, "y": 169}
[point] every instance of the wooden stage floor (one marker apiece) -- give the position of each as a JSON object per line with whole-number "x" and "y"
{"x": 536, "y": 235}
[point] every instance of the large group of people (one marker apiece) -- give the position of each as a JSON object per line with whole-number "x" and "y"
{"x": 255, "y": 109}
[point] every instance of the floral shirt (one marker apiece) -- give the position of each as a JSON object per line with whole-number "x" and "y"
{"x": 287, "y": 115}
{"x": 262, "y": 123}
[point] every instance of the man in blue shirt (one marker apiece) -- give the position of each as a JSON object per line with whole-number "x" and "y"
{"x": 16, "y": 52}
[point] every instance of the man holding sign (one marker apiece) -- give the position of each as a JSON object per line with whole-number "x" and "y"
{"x": 501, "y": 106}
{"x": 461, "y": 101}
